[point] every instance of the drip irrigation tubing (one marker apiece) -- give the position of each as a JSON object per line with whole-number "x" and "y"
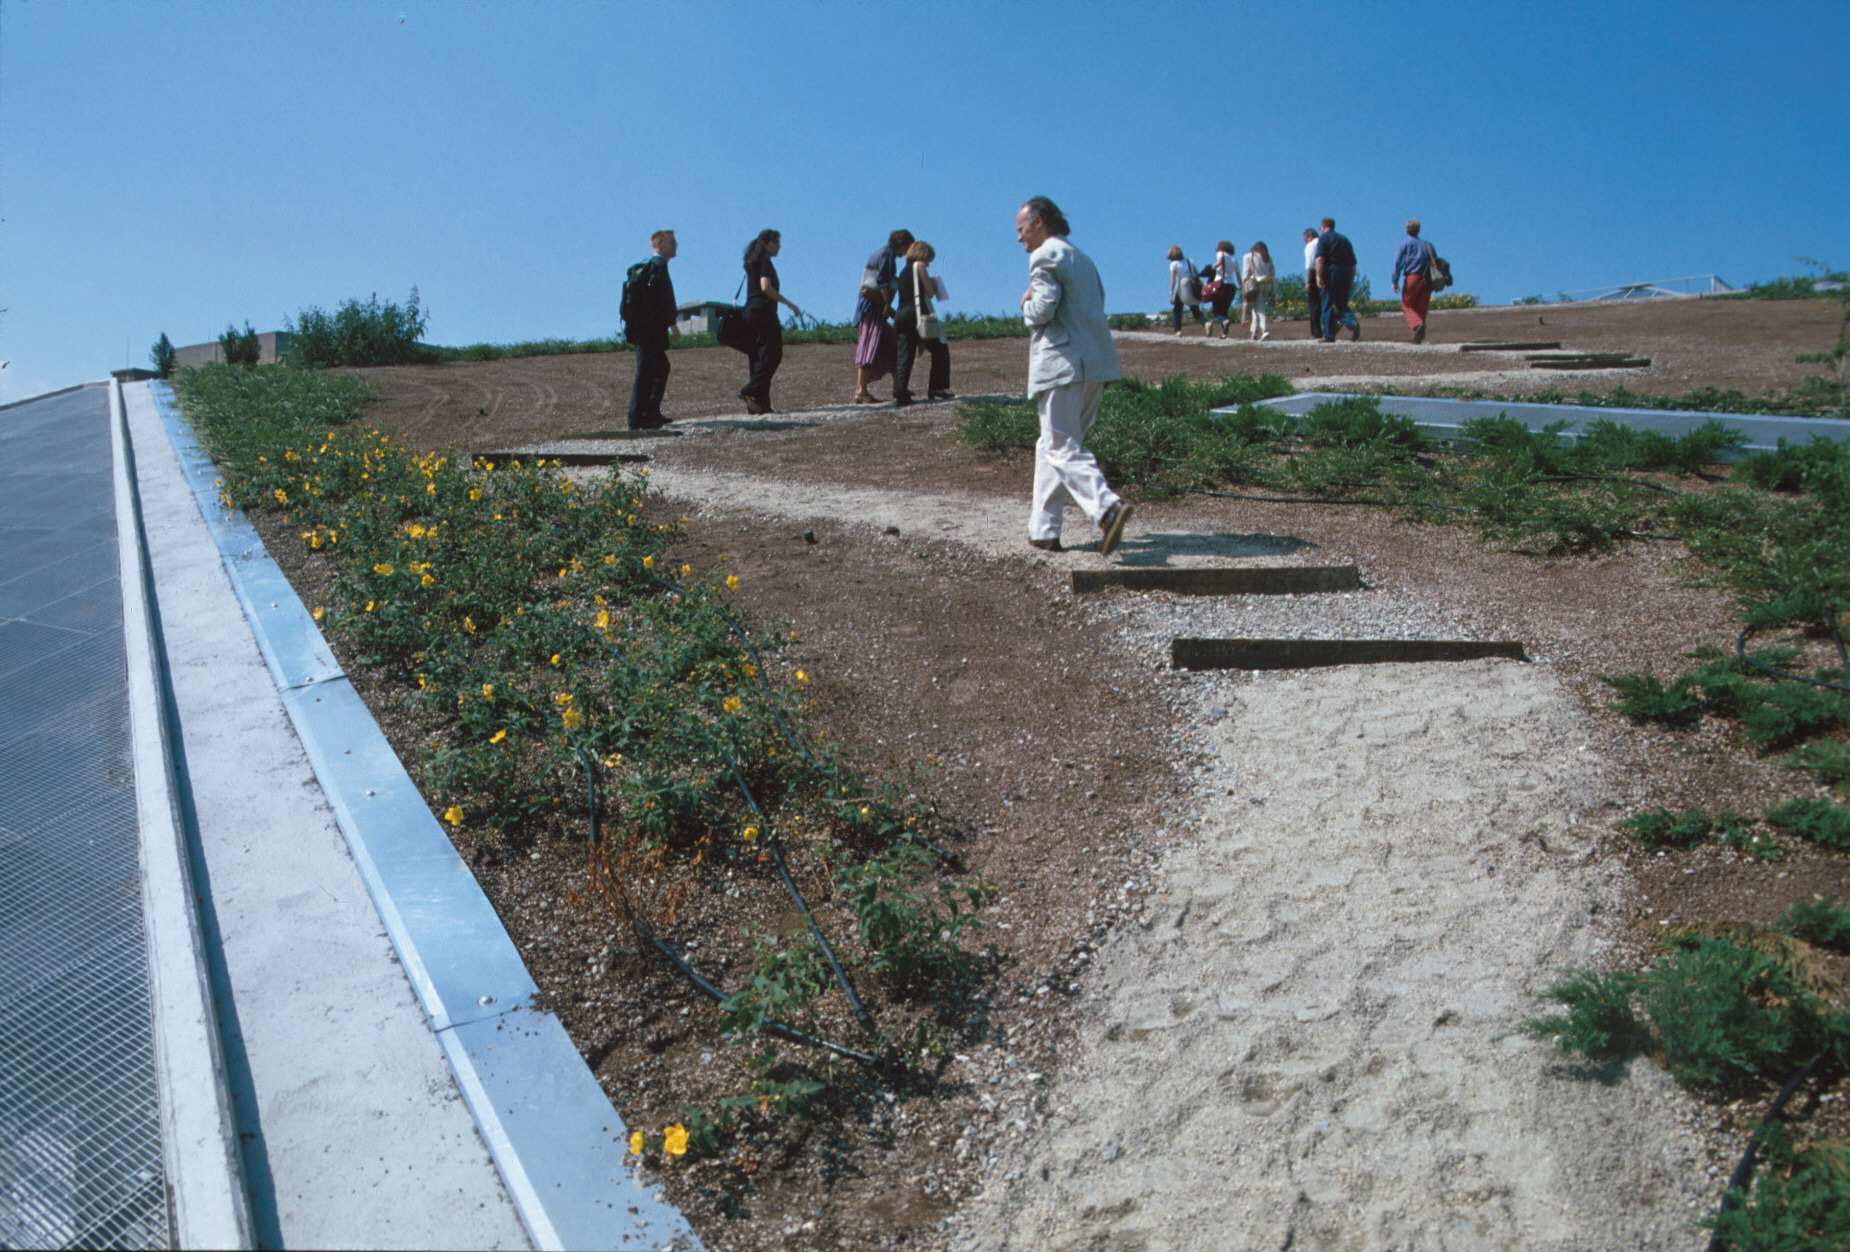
{"x": 1772, "y": 671}
{"x": 773, "y": 845}
{"x": 713, "y": 993}
{"x": 1744, "y": 1169}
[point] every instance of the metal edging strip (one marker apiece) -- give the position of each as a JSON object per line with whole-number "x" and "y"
{"x": 1763, "y": 431}
{"x": 556, "y": 1139}
{"x": 207, "y": 1196}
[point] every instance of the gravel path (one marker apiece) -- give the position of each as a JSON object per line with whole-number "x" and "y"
{"x": 1306, "y": 1042}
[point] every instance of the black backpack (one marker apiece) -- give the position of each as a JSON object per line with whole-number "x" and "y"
{"x": 636, "y": 284}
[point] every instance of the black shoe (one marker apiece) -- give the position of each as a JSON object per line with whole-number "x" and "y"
{"x": 943, "y": 395}
{"x": 754, "y": 406}
{"x": 655, "y": 422}
{"x": 1111, "y": 527}
{"x": 1047, "y": 545}
{"x": 1355, "y": 331}
{"x": 903, "y": 402}
{"x": 1419, "y": 333}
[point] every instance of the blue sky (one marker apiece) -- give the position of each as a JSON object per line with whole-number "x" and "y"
{"x": 177, "y": 166}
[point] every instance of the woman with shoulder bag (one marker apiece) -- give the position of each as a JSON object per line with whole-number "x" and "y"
{"x": 1257, "y": 279}
{"x": 762, "y": 296}
{"x": 918, "y": 326}
{"x": 1184, "y": 289}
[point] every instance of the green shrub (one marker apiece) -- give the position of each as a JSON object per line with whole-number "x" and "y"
{"x": 1817, "y": 820}
{"x": 1818, "y": 921}
{"x": 1828, "y": 761}
{"x": 240, "y": 347}
{"x": 1793, "y": 287}
{"x": 1737, "y": 832}
{"x": 358, "y": 333}
{"x": 1360, "y": 421}
{"x": 1661, "y": 828}
{"x": 161, "y": 356}
{"x": 1600, "y": 1023}
{"x": 1642, "y": 698}
{"x": 1798, "y": 1200}
{"x": 1786, "y": 711}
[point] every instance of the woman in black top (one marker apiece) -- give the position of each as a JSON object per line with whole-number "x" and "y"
{"x": 762, "y": 297}
{"x": 915, "y": 297}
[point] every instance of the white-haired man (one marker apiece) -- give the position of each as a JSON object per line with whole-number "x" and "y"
{"x": 1070, "y": 359}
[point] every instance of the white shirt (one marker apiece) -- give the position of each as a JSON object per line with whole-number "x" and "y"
{"x": 1226, "y": 267}
{"x": 1310, "y": 258}
{"x": 1257, "y": 267}
{"x": 1178, "y": 271}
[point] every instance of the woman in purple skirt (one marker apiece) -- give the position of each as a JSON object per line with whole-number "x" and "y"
{"x": 875, "y": 349}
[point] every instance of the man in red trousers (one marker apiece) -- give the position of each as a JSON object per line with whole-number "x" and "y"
{"x": 1412, "y": 278}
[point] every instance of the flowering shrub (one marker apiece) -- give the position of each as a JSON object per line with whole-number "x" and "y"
{"x": 537, "y": 622}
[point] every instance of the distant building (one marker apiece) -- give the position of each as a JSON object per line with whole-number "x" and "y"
{"x": 698, "y": 317}
{"x": 271, "y": 345}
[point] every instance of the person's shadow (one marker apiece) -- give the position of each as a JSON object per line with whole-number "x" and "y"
{"x": 1160, "y": 548}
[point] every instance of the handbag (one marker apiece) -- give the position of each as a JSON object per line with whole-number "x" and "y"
{"x": 731, "y": 327}
{"x": 928, "y": 326}
{"x": 1211, "y": 289}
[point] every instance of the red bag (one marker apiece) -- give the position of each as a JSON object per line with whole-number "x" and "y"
{"x": 1211, "y": 289}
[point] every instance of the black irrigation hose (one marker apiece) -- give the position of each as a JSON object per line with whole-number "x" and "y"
{"x": 1744, "y": 1169}
{"x": 1740, "y": 651}
{"x": 713, "y": 993}
{"x": 771, "y": 843}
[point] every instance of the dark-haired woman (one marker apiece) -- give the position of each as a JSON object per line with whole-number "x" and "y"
{"x": 1227, "y": 285}
{"x": 762, "y": 296}
{"x": 874, "y": 348}
{"x": 915, "y": 301}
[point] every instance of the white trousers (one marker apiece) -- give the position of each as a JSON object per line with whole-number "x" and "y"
{"x": 1063, "y": 469}
{"x": 1256, "y": 307}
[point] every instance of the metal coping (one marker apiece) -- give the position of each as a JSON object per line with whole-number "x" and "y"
{"x": 1433, "y": 413}
{"x": 556, "y": 1139}
{"x": 205, "y": 1175}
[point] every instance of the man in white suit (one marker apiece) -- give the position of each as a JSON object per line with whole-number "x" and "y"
{"x": 1070, "y": 359}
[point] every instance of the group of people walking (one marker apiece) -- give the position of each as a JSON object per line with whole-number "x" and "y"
{"x": 1071, "y": 354}
{"x": 1329, "y": 276}
{"x": 1250, "y": 278}
{"x": 907, "y": 292}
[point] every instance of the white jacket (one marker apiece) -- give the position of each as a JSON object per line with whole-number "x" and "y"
{"x": 1072, "y": 341}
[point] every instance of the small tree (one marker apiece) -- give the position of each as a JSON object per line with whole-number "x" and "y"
{"x": 161, "y": 354}
{"x": 240, "y": 346}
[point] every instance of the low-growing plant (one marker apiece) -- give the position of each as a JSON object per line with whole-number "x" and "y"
{"x": 1820, "y": 821}
{"x": 1723, "y": 1015}
{"x": 1822, "y": 922}
{"x": 1661, "y": 828}
{"x": 1827, "y": 760}
{"x": 1800, "y": 1199}
{"x": 1644, "y": 698}
{"x": 1735, "y": 831}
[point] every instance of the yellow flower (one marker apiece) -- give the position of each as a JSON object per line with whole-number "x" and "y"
{"x": 427, "y": 580}
{"x": 555, "y": 658}
{"x": 498, "y": 736}
{"x": 733, "y": 704}
{"x": 488, "y": 467}
{"x": 603, "y": 619}
{"x": 751, "y": 671}
{"x": 749, "y": 833}
{"x": 417, "y": 530}
{"x": 423, "y": 682}
{"x": 866, "y": 812}
{"x": 430, "y": 489}
{"x": 453, "y": 815}
{"x": 610, "y": 558}
{"x": 802, "y": 678}
{"x": 562, "y": 699}
{"x": 369, "y": 605}
{"x": 636, "y": 1142}
{"x": 468, "y": 625}
{"x": 732, "y": 582}
{"x": 488, "y": 691}
{"x": 648, "y": 562}
{"x": 475, "y": 493}
{"x": 674, "y": 1139}
{"x": 631, "y": 520}
{"x": 282, "y": 497}
{"x": 562, "y": 571}
{"x": 572, "y": 719}
{"x": 319, "y": 613}
{"x": 686, "y": 570}
{"x": 613, "y": 760}
{"x": 384, "y": 567}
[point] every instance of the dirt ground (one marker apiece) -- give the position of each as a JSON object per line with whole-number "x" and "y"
{"x": 1744, "y": 345}
{"x": 1052, "y": 727}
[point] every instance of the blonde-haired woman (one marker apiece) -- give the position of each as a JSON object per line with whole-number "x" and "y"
{"x": 1184, "y": 288}
{"x": 915, "y": 303}
{"x": 1257, "y": 278}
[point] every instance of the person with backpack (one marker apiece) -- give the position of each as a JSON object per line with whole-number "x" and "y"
{"x": 1335, "y": 276}
{"x": 920, "y": 329}
{"x": 1184, "y": 289}
{"x": 648, "y": 312}
{"x": 1413, "y": 266}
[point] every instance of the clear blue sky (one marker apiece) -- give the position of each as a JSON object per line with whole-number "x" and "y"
{"x": 173, "y": 167}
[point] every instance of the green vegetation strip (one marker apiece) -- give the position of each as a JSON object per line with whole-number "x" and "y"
{"x": 528, "y": 623}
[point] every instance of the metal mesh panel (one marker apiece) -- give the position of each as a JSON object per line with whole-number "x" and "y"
{"x": 80, "y": 1150}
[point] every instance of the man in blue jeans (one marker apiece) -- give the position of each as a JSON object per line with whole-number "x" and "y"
{"x": 1335, "y": 276}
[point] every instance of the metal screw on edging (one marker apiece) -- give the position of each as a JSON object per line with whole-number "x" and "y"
{"x": 485, "y": 1001}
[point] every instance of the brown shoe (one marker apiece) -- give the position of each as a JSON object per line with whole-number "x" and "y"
{"x": 1112, "y": 525}
{"x": 1047, "y": 545}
